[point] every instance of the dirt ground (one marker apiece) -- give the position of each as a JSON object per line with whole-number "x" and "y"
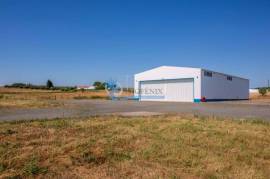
{"x": 84, "y": 108}
{"x": 23, "y": 104}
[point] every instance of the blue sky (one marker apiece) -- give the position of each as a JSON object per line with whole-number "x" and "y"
{"x": 78, "y": 42}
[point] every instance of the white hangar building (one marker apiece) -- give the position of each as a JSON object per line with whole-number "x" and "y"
{"x": 184, "y": 84}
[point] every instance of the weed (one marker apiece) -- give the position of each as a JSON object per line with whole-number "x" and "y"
{"x": 32, "y": 167}
{"x": 2, "y": 167}
{"x": 118, "y": 156}
{"x": 257, "y": 121}
{"x": 57, "y": 123}
{"x": 89, "y": 157}
{"x": 99, "y": 97}
{"x": 9, "y": 132}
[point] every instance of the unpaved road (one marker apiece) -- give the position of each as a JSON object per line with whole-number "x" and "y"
{"x": 83, "y": 108}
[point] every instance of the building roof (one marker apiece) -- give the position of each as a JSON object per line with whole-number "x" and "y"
{"x": 194, "y": 69}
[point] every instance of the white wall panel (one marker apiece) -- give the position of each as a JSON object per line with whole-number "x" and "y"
{"x": 218, "y": 87}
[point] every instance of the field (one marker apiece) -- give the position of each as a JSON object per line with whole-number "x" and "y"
{"x": 113, "y": 146}
{"x": 27, "y": 98}
{"x": 136, "y": 147}
{"x": 257, "y": 96}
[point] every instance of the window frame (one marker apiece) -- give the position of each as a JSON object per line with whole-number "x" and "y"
{"x": 208, "y": 73}
{"x": 229, "y": 78}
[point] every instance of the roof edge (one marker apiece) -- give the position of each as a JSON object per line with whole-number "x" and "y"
{"x": 193, "y": 68}
{"x": 225, "y": 74}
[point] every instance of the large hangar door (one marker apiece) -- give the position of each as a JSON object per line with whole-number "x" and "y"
{"x": 167, "y": 90}
{"x": 180, "y": 90}
{"x": 152, "y": 90}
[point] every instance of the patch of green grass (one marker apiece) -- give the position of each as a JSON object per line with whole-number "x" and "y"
{"x": 89, "y": 157}
{"x": 57, "y": 123}
{"x": 32, "y": 167}
{"x": 117, "y": 156}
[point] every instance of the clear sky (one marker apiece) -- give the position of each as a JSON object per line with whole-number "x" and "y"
{"x": 77, "y": 42}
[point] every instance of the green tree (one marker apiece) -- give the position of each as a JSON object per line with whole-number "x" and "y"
{"x": 49, "y": 84}
{"x": 99, "y": 85}
{"x": 263, "y": 91}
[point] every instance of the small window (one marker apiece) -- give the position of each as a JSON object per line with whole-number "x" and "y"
{"x": 229, "y": 78}
{"x": 208, "y": 73}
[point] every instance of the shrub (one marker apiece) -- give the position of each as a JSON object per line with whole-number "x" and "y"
{"x": 263, "y": 91}
{"x": 68, "y": 89}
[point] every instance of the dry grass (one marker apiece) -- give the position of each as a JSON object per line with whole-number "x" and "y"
{"x": 12, "y": 97}
{"x": 259, "y": 99}
{"x": 255, "y": 96}
{"x": 149, "y": 147}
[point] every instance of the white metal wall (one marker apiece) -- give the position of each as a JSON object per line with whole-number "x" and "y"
{"x": 215, "y": 87}
{"x": 218, "y": 87}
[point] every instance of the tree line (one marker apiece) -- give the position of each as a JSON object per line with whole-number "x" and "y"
{"x": 50, "y": 86}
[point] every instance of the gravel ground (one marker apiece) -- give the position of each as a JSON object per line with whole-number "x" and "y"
{"x": 83, "y": 108}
